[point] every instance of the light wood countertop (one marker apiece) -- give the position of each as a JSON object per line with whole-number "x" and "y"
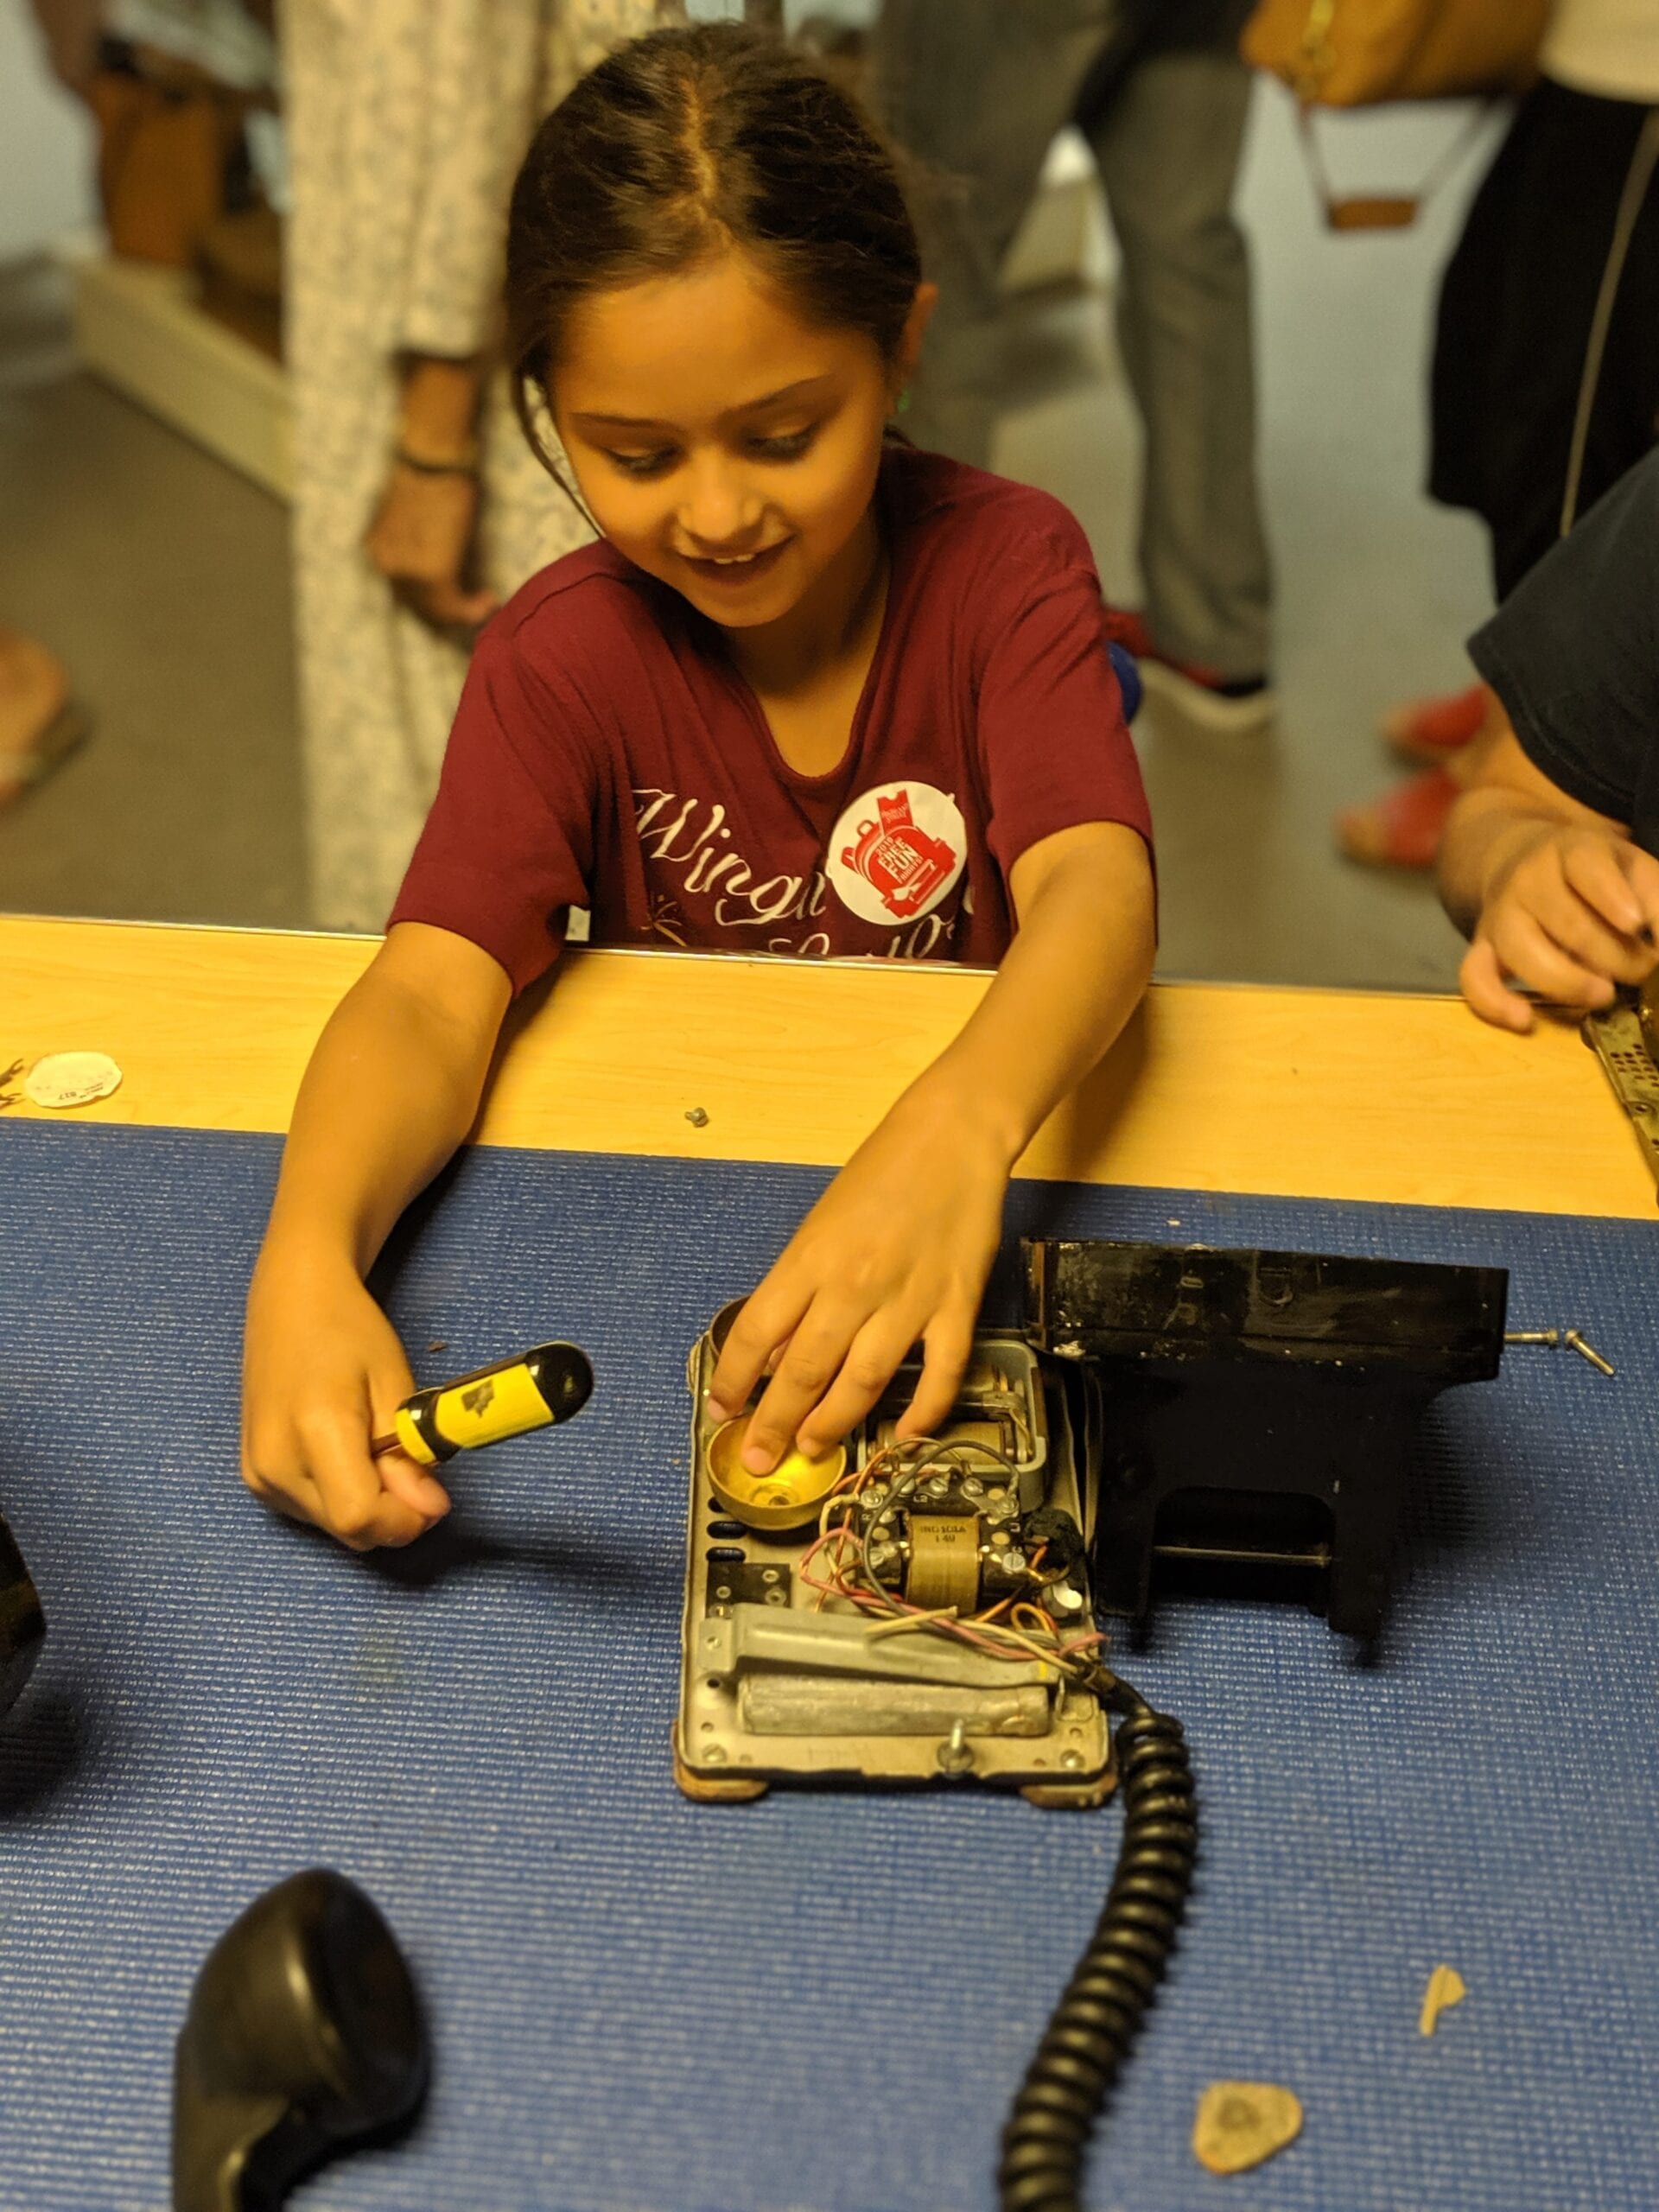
{"x": 1298, "y": 1093}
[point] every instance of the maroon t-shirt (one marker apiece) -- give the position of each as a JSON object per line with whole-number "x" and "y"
{"x": 607, "y": 753}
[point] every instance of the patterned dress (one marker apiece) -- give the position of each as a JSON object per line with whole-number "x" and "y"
{"x": 407, "y": 121}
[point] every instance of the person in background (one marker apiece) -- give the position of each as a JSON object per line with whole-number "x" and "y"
{"x": 1548, "y": 862}
{"x": 977, "y": 89}
{"x": 1539, "y": 406}
{"x": 417, "y": 507}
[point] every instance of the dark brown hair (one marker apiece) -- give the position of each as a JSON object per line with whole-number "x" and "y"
{"x": 681, "y": 146}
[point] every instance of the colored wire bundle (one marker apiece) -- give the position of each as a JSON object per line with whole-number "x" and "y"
{"x": 842, "y": 1553}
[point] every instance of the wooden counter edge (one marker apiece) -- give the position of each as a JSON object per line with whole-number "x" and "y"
{"x": 1393, "y": 1098}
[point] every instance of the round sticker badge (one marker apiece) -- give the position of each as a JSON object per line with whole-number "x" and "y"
{"x": 896, "y": 852}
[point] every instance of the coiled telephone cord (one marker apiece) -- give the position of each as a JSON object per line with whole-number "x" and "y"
{"x": 1114, "y": 1982}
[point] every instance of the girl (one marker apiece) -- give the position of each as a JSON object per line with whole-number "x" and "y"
{"x": 814, "y": 692}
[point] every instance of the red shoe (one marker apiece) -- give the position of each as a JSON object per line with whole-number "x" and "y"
{"x": 1403, "y": 829}
{"x": 1429, "y": 729}
{"x": 1236, "y": 704}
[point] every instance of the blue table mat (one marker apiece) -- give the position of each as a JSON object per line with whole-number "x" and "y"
{"x": 817, "y": 2003}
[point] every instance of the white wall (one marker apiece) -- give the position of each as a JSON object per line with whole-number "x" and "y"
{"x": 46, "y": 144}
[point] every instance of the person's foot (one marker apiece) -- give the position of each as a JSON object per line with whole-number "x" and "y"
{"x": 1404, "y": 827}
{"x": 39, "y": 723}
{"x": 1431, "y": 729}
{"x": 1235, "y": 705}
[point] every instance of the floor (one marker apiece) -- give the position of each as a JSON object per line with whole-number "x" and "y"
{"x": 160, "y": 577}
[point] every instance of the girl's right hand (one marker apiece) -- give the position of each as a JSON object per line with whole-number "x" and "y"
{"x": 323, "y": 1373}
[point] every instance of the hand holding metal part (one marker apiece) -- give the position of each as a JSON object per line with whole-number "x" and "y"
{"x": 1624, "y": 1037}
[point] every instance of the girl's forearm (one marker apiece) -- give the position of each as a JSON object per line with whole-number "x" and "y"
{"x": 391, "y": 1090}
{"x": 1077, "y": 969}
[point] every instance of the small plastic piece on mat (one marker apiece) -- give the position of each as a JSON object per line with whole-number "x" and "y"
{"x": 1446, "y": 1988}
{"x": 1241, "y": 2123}
{"x": 71, "y": 1079}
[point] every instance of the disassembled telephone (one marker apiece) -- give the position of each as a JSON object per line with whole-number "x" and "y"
{"x": 806, "y": 1589}
{"x": 904, "y": 1612}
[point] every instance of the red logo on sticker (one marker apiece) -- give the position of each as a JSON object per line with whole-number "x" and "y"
{"x": 902, "y": 865}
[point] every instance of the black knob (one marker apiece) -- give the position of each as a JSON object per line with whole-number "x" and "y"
{"x": 565, "y": 1375}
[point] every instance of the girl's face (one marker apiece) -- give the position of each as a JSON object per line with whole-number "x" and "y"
{"x": 723, "y": 444}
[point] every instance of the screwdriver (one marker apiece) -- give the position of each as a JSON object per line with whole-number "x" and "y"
{"x": 549, "y": 1383}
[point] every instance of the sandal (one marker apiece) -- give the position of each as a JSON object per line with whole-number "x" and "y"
{"x": 1429, "y": 729}
{"x": 1403, "y": 827}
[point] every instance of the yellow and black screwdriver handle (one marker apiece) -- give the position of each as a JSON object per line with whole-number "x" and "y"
{"x": 549, "y": 1384}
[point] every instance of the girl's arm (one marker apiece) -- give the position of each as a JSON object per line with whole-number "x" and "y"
{"x": 1549, "y": 890}
{"x": 898, "y": 1248}
{"x": 392, "y": 1088}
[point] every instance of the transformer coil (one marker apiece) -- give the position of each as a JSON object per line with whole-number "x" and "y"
{"x": 944, "y": 1561}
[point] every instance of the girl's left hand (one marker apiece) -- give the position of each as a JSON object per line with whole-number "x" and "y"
{"x": 895, "y": 1252}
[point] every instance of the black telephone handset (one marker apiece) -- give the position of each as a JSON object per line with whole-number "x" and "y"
{"x": 22, "y": 1623}
{"x": 303, "y": 2036}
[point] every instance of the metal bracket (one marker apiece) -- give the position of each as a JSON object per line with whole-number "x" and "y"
{"x": 1616, "y": 1040}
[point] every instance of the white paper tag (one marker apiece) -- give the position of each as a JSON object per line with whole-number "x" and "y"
{"x": 71, "y": 1079}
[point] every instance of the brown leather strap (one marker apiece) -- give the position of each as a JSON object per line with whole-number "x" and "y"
{"x": 1380, "y": 211}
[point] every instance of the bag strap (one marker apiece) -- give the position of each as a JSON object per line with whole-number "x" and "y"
{"x": 1379, "y": 211}
{"x": 1637, "y": 178}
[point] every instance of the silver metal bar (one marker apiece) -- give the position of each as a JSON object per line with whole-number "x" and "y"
{"x": 819, "y": 1705}
{"x": 836, "y": 1643}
